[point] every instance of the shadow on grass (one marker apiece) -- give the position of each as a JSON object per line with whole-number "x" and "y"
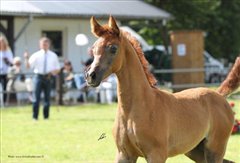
{"x": 236, "y": 134}
{"x": 85, "y": 119}
{"x": 95, "y": 120}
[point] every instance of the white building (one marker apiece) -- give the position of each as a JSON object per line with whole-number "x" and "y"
{"x": 24, "y": 22}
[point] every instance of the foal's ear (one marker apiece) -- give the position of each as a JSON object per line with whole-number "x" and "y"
{"x": 113, "y": 25}
{"x": 96, "y": 28}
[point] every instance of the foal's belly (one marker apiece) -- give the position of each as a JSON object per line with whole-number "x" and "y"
{"x": 183, "y": 147}
{"x": 185, "y": 137}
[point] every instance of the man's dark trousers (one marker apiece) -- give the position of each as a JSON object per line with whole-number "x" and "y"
{"x": 42, "y": 83}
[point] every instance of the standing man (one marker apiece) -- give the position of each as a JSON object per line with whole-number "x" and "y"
{"x": 45, "y": 64}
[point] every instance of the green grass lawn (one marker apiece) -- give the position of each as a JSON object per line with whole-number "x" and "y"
{"x": 71, "y": 136}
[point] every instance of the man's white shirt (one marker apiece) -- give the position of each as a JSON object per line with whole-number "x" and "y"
{"x": 37, "y": 60}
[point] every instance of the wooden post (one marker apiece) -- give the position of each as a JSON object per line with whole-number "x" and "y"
{"x": 187, "y": 51}
{"x": 59, "y": 88}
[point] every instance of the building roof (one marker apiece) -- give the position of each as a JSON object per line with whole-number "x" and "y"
{"x": 120, "y": 9}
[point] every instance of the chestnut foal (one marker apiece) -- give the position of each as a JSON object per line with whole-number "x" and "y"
{"x": 152, "y": 123}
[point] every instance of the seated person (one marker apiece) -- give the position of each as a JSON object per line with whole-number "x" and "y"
{"x": 68, "y": 82}
{"x": 68, "y": 75}
{"x": 17, "y": 82}
{"x": 107, "y": 90}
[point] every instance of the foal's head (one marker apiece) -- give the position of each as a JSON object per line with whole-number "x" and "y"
{"x": 106, "y": 49}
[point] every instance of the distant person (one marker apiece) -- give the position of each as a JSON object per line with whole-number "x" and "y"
{"x": 14, "y": 73}
{"x": 69, "y": 82}
{"x": 68, "y": 74}
{"x": 17, "y": 81}
{"x": 6, "y": 58}
{"x": 45, "y": 64}
{"x": 108, "y": 90}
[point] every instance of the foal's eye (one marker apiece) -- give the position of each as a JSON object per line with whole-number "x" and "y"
{"x": 112, "y": 49}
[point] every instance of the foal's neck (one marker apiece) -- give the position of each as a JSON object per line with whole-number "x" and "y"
{"x": 133, "y": 85}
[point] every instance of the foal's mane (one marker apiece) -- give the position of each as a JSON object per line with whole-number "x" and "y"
{"x": 136, "y": 45}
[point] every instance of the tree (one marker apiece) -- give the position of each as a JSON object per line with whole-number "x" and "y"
{"x": 220, "y": 19}
{"x": 223, "y": 34}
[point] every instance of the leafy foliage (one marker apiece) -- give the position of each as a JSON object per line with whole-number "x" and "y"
{"x": 220, "y": 19}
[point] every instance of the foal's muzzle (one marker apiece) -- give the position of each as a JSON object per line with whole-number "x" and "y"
{"x": 91, "y": 78}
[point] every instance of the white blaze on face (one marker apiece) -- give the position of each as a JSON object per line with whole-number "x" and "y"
{"x": 97, "y": 53}
{"x": 96, "y": 50}
{"x": 94, "y": 64}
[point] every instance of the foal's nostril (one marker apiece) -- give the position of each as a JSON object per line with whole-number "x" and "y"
{"x": 93, "y": 75}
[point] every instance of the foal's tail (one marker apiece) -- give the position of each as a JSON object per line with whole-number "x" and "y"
{"x": 232, "y": 81}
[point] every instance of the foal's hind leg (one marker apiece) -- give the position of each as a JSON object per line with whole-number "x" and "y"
{"x": 197, "y": 154}
{"x": 215, "y": 150}
{"x": 227, "y": 161}
{"x": 212, "y": 157}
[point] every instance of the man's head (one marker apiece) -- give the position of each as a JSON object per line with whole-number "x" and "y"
{"x": 44, "y": 43}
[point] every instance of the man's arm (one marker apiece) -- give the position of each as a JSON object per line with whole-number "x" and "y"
{"x": 57, "y": 66}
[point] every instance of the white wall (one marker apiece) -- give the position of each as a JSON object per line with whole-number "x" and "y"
{"x": 70, "y": 27}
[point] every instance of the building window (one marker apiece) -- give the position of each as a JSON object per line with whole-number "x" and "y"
{"x": 56, "y": 41}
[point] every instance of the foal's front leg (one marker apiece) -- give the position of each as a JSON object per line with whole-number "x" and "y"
{"x": 156, "y": 156}
{"x": 121, "y": 158}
